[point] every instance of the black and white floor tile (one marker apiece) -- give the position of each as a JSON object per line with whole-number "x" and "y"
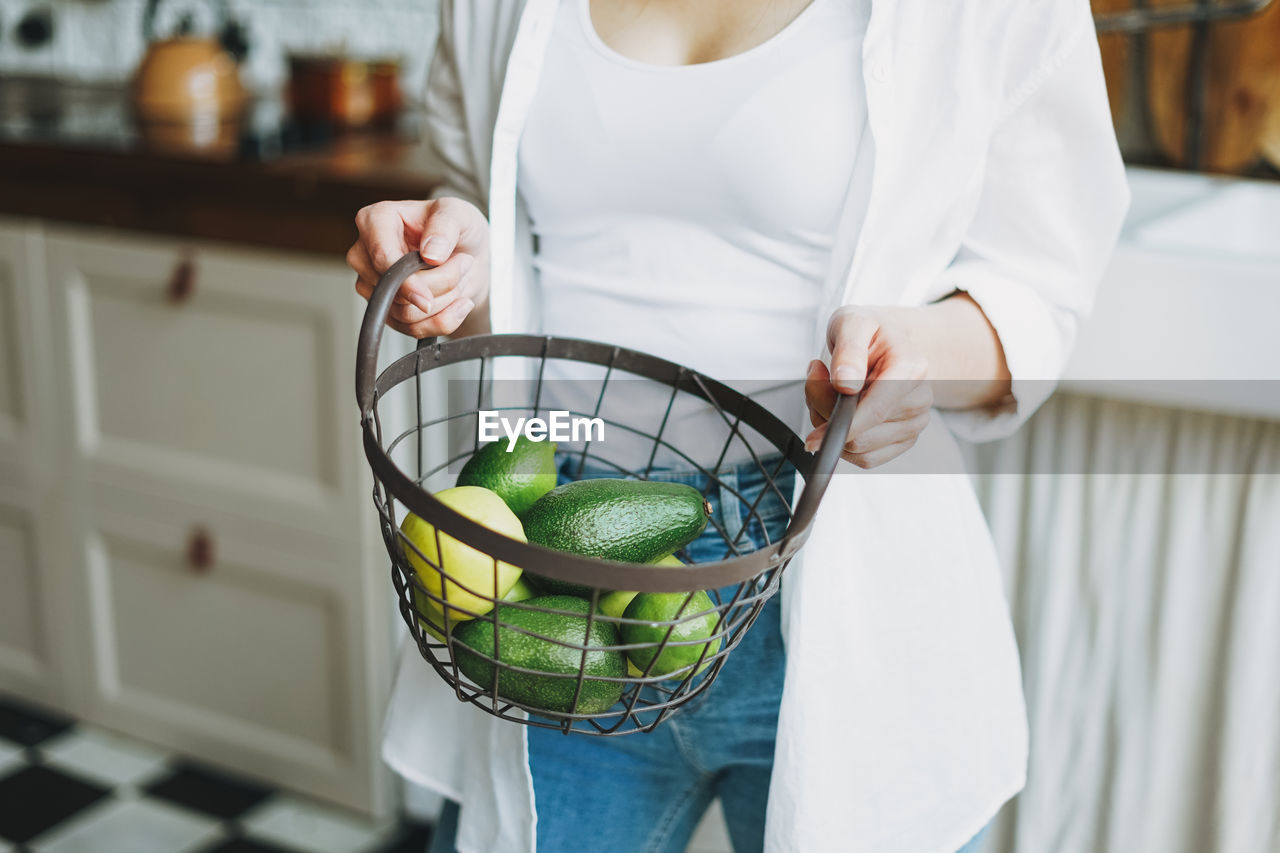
{"x": 71, "y": 788}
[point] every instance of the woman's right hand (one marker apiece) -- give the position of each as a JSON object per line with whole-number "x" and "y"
{"x": 452, "y": 234}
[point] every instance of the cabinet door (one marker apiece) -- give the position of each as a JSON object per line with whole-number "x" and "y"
{"x": 31, "y": 645}
{"x": 218, "y": 375}
{"x": 25, "y": 629}
{"x": 207, "y": 391}
{"x": 210, "y": 635}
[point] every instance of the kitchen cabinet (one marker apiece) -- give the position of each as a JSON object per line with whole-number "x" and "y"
{"x": 221, "y": 375}
{"x": 32, "y": 652}
{"x": 194, "y": 501}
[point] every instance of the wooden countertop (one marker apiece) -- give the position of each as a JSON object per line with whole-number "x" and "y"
{"x": 70, "y": 153}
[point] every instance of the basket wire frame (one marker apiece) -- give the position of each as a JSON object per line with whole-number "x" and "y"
{"x": 443, "y": 599}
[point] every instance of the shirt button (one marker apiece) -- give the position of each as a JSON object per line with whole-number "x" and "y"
{"x": 880, "y": 72}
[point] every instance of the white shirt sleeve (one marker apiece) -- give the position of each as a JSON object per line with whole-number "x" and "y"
{"x": 447, "y": 134}
{"x": 1053, "y": 199}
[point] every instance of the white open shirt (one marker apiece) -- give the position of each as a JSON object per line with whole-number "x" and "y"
{"x": 996, "y": 171}
{"x": 702, "y": 237}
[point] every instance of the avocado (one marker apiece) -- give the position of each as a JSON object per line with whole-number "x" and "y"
{"x": 520, "y": 475}
{"x": 552, "y": 692}
{"x": 634, "y": 521}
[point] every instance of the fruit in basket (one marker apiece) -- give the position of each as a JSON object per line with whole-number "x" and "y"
{"x": 695, "y": 620}
{"x": 432, "y": 614}
{"x": 554, "y": 690}
{"x": 474, "y": 578}
{"x": 520, "y": 474}
{"x": 522, "y": 591}
{"x": 614, "y": 603}
{"x": 634, "y": 521}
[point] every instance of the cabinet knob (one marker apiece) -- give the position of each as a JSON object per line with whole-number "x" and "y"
{"x": 200, "y": 551}
{"x": 182, "y": 283}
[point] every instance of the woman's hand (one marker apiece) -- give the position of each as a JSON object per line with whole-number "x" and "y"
{"x": 449, "y": 232}
{"x": 873, "y": 351}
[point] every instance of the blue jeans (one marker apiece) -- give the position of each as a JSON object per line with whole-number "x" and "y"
{"x": 647, "y": 792}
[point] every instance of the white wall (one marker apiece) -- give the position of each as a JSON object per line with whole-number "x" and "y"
{"x": 101, "y": 40}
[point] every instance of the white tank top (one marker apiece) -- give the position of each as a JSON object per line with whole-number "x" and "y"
{"x": 690, "y": 211}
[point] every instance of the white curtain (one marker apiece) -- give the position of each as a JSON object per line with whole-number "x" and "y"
{"x": 1147, "y": 607}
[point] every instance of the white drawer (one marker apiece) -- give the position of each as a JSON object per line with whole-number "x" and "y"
{"x": 23, "y": 632}
{"x": 204, "y": 370}
{"x": 247, "y": 659}
{"x": 128, "y": 422}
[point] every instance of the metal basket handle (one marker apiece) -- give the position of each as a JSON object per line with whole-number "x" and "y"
{"x": 375, "y": 320}
{"x": 379, "y": 308}
{"x": 824, "y": 464}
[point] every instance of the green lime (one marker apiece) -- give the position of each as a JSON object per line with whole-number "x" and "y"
{"x": 521, "y": 591}
{"x": 656, "y": 611}
{"x": 614, "y": 603}
{"x": 520, "y": 476}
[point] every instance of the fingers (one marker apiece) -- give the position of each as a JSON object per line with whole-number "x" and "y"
{"x": 435, "y": 229}
{"x": 429, "y": 291}
{"x": 424, "y": 294}
{"x": 884, "y": 435}
{"x": 366, "y": 276}
{"x": 894, "y": 393}
{"x": 446, "y": 232}
{"x": 377, "y": 233}
{"x": 881, "y": 363}
{"x": 433, "y": 289}
{"x": 445, "y": 322}
{"x": 818, "y": 393}
{"x": 849, "y": 337}
{"x": 437, "y": 299}
{"x": 852, "y": 339}
{"x": 389, "y": 229}
{"x": 444, "y": 228}
{"x": 876, "y": 458}
{"x": 406, "y": 313}
{"x": 877, "y": 446}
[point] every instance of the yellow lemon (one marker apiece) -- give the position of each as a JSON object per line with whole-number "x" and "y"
{"x": 474, "y": 578}
{"x": 432, "y": 620}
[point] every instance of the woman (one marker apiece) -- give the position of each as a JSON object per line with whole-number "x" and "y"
{"x": 929, "y": 191}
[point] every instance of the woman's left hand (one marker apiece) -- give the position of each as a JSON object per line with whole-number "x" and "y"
{"x": 872, "y": 352}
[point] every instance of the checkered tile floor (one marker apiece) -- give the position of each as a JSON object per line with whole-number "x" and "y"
{"x": 69, "y": 788}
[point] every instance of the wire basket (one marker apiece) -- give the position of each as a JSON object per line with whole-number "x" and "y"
{"x": 584, "y": 689}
